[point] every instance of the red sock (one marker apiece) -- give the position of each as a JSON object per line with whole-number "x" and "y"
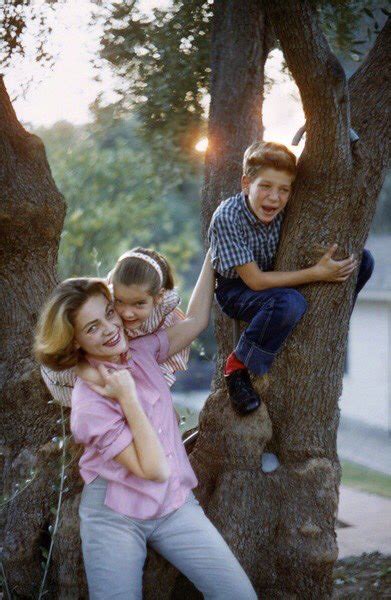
{"x": 233, "y": 364}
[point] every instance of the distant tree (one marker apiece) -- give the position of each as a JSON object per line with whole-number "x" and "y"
{"x": 116, "y": 199}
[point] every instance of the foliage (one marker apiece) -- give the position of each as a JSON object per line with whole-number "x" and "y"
{"x": 163, "y": 65}
{"x": 116, "y": 200}
{"x": 351, "y": 26}
{"x": 19, "y": 18}
{"x": 163, "y": 62}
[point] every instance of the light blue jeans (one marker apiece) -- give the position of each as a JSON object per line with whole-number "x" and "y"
{"x": 115, "y": 548}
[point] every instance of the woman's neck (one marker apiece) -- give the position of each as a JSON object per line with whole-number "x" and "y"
{"x": 116, "y": 358}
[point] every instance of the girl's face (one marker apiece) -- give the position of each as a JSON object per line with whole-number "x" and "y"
{"x": 99, "y": 330}
{"x": 133, "y": 303}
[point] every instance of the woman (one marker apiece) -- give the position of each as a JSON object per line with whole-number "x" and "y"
{"x": 138, "y": 479}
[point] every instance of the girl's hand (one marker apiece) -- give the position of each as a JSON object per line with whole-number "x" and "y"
{"x": 328, "y": 269}
{"x": 116, "y": 384}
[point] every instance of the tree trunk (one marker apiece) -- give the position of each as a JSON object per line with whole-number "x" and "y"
{"x": 282, "y": 525}
{"x": 31, "y": 215}
{"x": 239, "y": 51}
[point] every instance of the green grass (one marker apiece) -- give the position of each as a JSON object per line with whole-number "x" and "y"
{"x": 366, "y": 480}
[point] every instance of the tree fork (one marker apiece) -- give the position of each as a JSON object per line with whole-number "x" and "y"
{"x": 240, "y": 44}
{"x": 282, "y": 525}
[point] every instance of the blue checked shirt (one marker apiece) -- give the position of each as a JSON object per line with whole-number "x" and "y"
{"x": 237, "y": 236}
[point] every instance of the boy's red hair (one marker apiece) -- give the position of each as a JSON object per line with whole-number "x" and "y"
{"x": 268, "y": 155}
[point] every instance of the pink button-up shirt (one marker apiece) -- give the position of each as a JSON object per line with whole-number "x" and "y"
{"x": 100, "y": 425}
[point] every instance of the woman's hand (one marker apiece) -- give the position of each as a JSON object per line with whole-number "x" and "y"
{"x": 116, "y": 384}
{"x": 88, "y": 373}
{"x": 328, "y": 269}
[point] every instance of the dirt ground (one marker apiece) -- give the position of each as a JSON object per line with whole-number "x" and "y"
{"x": 365, "y": 577}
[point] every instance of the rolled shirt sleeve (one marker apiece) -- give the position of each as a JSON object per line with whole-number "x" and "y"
{"x": 102, "y": 426}
{"x": 155, "y": 344}
{"x": 227, "y": 245}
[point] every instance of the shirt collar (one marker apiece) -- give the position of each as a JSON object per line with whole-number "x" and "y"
{"x": 125, "y": 358}
{"x": 147, "y": 390}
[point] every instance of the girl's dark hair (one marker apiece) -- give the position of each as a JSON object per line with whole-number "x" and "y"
{"x": 133, "y": 270}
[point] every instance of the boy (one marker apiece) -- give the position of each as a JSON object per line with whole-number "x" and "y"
{"x": 243, "y": 235}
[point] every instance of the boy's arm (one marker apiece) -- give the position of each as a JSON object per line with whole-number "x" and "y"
{"x": 327, "y": 269}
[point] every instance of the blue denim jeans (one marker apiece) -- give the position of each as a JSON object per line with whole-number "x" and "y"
{"x": 115, "y": 548}
{"x": 271, "y": 315}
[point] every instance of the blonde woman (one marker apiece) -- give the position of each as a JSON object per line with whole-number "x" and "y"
{"x": 138, "y": 479}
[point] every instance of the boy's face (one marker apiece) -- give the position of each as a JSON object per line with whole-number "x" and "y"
{"x": 268, "y": 192}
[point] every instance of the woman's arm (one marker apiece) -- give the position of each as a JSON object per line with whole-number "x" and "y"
{"x": 145, "y": 456}
{"x": 183, "y": 333}
{"x": 327, "y": 269}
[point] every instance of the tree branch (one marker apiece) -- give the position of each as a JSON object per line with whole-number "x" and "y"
{"x": 370, "y": 92}
{"x": 316, "y": 70}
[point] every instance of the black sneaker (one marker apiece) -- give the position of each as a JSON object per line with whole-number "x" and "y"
{"x": 244, "y": 398}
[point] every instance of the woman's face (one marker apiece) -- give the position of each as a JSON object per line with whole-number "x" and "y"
{"x": 99, "y": 330}
{"x": 133, "y": 303}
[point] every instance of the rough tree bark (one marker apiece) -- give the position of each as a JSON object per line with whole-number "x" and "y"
{"x": 31, "y": 218}
{"x": 240, "y": 44}
{"x": 282, "y": 525}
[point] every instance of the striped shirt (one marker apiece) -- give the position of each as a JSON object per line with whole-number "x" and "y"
{"x": 237, "y": 236}
{"x": 60, "y": 383}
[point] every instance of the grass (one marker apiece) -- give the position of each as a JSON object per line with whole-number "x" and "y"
{"x": 366, "y": 480}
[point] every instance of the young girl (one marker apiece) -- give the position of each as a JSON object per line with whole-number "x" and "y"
{"x": 145, "y": 297}
{"x": 138, "y": 478}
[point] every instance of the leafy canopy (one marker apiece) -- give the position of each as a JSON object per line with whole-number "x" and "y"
{"x": 163, "y": 62}
{"x": 116, "y": 200}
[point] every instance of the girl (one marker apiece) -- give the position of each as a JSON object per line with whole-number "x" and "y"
{"x": 146, "y": 300}
{"x": 138, "y": 478}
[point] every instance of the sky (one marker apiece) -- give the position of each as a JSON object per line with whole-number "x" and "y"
{"x": 66, "y": 91}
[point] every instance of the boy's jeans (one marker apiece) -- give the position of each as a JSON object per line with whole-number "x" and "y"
{"x": 271, "y": 315}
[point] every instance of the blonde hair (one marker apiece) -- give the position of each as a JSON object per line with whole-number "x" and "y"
{"x": 134, "y": 270}
{"x": 262, "y": 155}
{"x": 55, "y": 333}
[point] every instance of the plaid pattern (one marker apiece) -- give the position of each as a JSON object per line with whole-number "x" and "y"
{"x": 60, "y": 383}
{"x": 237, "y": 236}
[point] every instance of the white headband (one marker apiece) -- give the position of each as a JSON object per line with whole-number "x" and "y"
{"x": 151, "y": 261}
